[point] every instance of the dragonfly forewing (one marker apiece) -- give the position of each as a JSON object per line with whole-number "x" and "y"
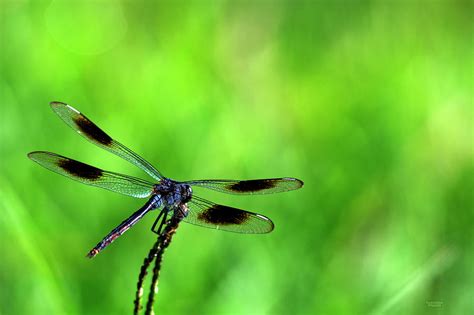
{"x": 86, "y": 128}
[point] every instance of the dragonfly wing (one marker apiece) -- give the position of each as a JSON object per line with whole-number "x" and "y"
{"x": 93, "y": 176}
{"x": 254, "y": 186}
{"x": 86, "y": 128}
{"x": 207, "y": 214}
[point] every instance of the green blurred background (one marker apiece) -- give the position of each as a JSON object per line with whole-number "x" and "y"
{"x": 369, "y": 103}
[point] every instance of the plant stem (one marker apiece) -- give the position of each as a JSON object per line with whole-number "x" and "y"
{"x": 155, "y": 253}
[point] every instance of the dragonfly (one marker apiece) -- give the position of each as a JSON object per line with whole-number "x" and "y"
{"x": 171, "y": 197}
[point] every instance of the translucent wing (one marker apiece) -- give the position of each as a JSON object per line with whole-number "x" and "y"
{"x": 205, "y": 213}
{"x": 94, "y": 134}
{"x": 254, "y": 186}
{"x": 90, "y": 175}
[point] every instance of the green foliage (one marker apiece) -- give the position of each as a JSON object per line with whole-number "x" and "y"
{"x": 370, "y": 104}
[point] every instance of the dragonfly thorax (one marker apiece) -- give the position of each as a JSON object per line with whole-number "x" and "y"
{"x": 173, "y": 193}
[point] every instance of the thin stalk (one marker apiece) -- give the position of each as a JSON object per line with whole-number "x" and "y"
{"x": 155, "y": 253}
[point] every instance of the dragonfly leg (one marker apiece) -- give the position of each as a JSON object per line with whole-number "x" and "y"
{"x": 182, "y": 211}
{"x": 163, "y": 214}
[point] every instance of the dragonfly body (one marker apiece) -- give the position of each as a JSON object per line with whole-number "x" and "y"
{"x": 153, "y": 203}
{"x": 172, "y": 197}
